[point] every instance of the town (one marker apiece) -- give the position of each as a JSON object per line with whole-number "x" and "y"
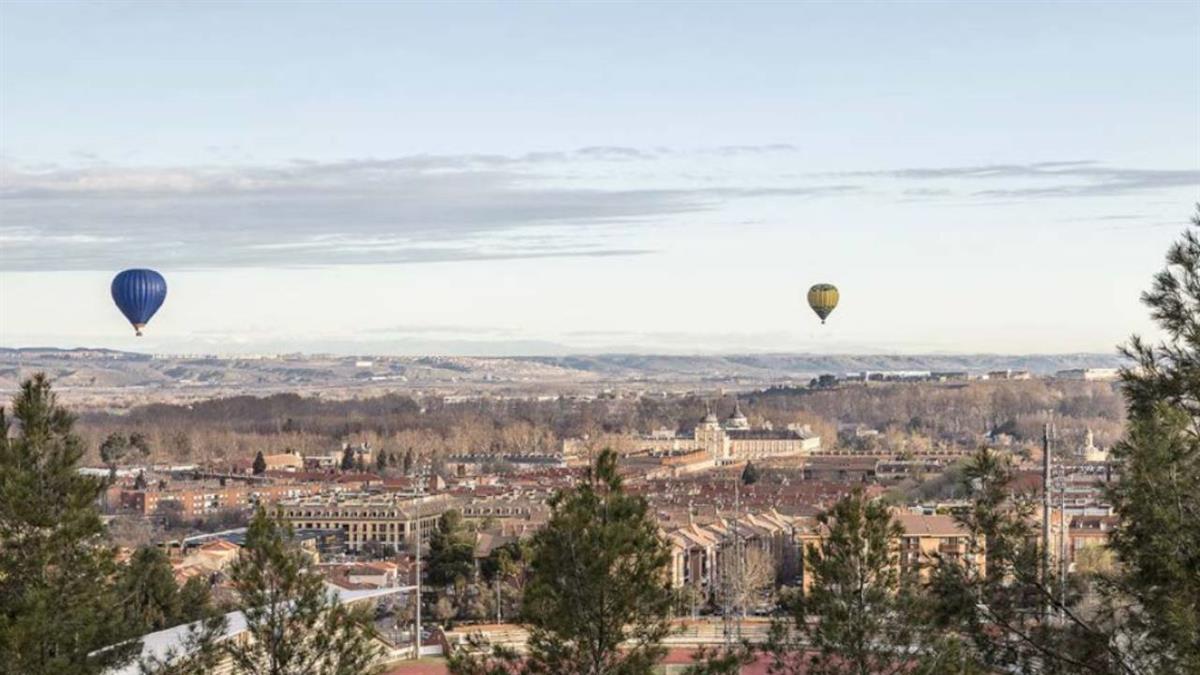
{"x": 736, "y": 490}
{"x": 668, "y": 337}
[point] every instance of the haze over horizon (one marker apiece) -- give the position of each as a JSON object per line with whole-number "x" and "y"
{"x": 540, "y": 179}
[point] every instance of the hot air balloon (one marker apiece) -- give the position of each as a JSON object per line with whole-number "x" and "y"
{"x": 138, "y": 294}
{"x": 823, "y": 298}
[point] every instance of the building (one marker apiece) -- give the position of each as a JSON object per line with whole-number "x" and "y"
{"x": 506, "y": 507}
{"x": 1089, "y": 452}
{"x": 382, "y": 520}
{"x": 207, "y": 560}
{"x": 198, "y": 498}
{"x": 1089, "y": 374}
{"x": 284, "y": 461}
{"x": 700, "y": 553}
{"x": 927, "y": 537}
{"x": 362, "y": 575}
{"x": 474, "y": 464}
{"x": 174, "y": 643}
{"x": 734, "y": 440}
{"x": 361, "y": 456}
{"x": 1009, "y": 374}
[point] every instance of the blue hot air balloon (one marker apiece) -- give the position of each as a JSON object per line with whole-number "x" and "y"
{"x": 138, "y": 294}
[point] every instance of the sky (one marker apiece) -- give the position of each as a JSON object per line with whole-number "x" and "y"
{"x": 546, "y": 178}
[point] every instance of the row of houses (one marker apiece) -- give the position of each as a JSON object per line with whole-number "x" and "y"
{"x": 700, "y": 553}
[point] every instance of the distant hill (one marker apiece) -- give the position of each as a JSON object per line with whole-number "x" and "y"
{"x": 792, "y": 365}
{"x": 144, "y": 376}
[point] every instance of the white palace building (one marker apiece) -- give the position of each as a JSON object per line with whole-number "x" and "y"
{"x": 734, "y": 440}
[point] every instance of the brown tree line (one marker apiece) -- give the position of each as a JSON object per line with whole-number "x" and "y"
{"x": 238, "y": 427}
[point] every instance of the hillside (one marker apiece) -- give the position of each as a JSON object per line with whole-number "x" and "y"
{"x": 114, "y": 378}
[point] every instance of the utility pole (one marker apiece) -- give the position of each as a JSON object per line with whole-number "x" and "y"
{"x": 737, "y": 544}
{"x": 1046, "y": 500}
{"x": 417, "y": 636}
{"x": 1064, "y": 531}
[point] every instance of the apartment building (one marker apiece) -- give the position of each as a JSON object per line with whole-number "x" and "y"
{"x": 929, "y": 537}
{"x": 194, "y": 499}
{"x": 383, "y": 520}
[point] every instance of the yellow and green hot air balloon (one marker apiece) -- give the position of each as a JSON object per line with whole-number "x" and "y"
{"x": 823, "y": 298}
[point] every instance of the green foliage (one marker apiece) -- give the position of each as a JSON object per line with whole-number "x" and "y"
{"x": 195, "y": 600}
{"x": 149, "y": 597}
{"x": 992, "y": 605}
{"x": 598, "y": 579}
{"x": 116, "y": 447}
{"x": 749, "y": 474}
{"x": 295, "y": 624}
{"x": 348, "y": 459}
{"x": 1012, "y": 617}
{"x": 260, "y": 464}
{"x": 451, "y": 551}
{"x": 1158, "y": 494}
{"x": 477, "y": 657}
{"x": 598, "y": 597}
{"x": 505, "y": 561}
{"x": 506, "y": 568}
{"x": 857, "y": 616}
{"x": 200, "y": 651}
{"x": 1145, "y": 616}
{"x": 57, "y": 607}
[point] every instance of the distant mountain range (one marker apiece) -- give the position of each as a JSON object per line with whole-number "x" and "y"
{"x": 102, "y": 370}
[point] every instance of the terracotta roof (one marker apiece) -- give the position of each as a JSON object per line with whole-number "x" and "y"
{"x": 916, "y": 525}
{"x": 219, "y": 545}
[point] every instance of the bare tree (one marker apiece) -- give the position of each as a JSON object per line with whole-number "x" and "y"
{"x": 747, "y": 581}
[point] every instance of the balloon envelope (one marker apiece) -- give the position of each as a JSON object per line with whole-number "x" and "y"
{"x": 823, "y": 298}
{"x": 138, "y": 293}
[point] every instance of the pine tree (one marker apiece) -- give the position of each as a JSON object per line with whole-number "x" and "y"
{"x": 195, "y": 600}
{"x": 113, "y": 450}
{"x": 260, "y": 464}
{"x": 998, "y": 608}
{"x": 1145, "y": 618}
{"x": 1158, "y": 493}
{"x": 147, "y": 591}
{"x": 451, "y": 551}
{"x": 597, "y": 601}
{"x": 150, "y": 598}
{"x": 857, "y": 613}
{"x": 57, "y": 608}
{"x": 199, "y": 652}
{"x": 1013, "y": 618}
{"x": 348, "y": 458}
{"x": 295, "y": 624}
{"x": 408, "y": 461}
{"x": 598, "y": 597}
{"x": 117, "y": 446}
{"x": 749, "y": 474}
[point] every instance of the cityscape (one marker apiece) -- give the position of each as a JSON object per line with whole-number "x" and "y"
{"x": 663, "y": 338}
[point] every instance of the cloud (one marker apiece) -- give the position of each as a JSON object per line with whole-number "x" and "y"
{"x": 1066, "y": 178}
{"x": 439, "y": 208}
{"x": 419, "y": 208}
{"x": 366, "y": 211}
